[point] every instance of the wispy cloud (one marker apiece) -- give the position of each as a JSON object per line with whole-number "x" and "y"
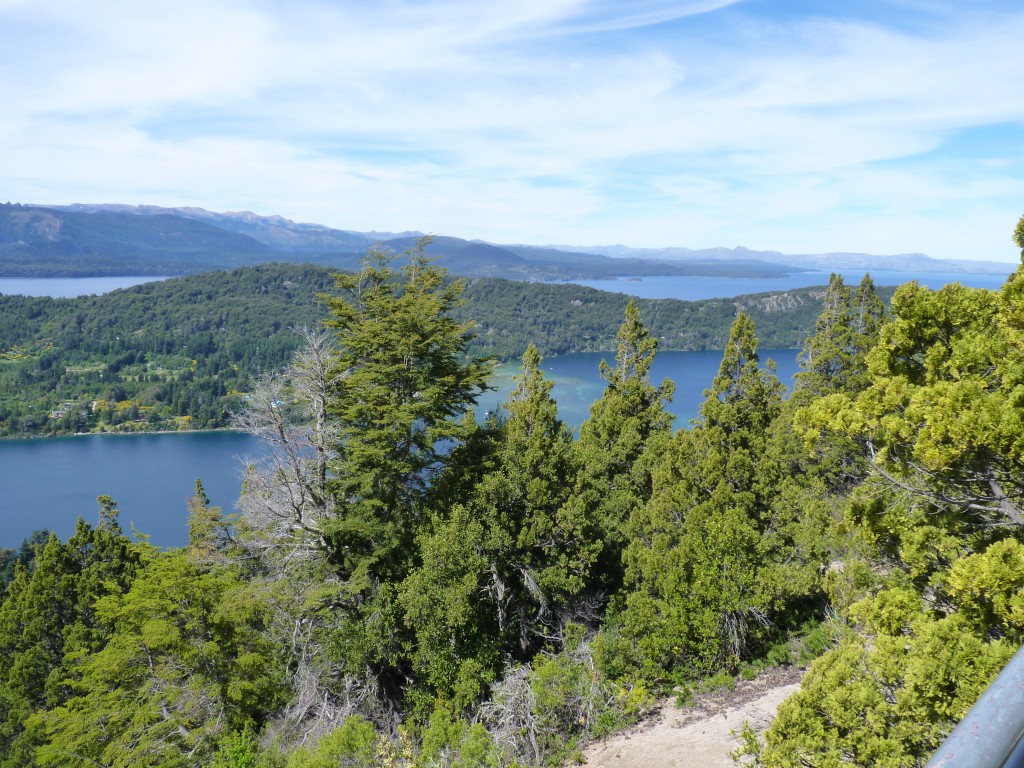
{"x": 651, "y": 123}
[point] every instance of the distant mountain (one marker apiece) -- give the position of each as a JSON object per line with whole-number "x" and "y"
{"x": 116, "y": 239}
{"x": 277, "y": 232}
{"x": 904, "y": 262}
{"x": 41, "y": 241}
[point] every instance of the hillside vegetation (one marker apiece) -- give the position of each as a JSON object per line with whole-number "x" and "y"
{"x": 181, "y": 353}
{"x": 404, "y": 586}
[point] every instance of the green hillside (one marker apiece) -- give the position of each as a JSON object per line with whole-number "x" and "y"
{"x": 179, "y": 353}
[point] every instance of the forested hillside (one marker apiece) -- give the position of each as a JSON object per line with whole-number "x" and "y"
{"x": 403, "y": 586}
{"x": 182, "y": 353}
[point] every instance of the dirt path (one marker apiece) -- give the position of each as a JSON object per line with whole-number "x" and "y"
{"x": 698, "y": 736}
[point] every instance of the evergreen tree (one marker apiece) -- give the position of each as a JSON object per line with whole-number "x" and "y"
{"x": 48, "y": 618}
{"x": 834, "y": 362}
{"x": 710, "y": 561}
{"x": 833, "y": 357}
{"x": 401, "y": 388}
{"x": 500, "y": 573}
{"x": 621, "y": 443}
{"x": 939, "y": 416}
{"x": 186, "y": 661}
{"x": 827, "y": 355}
{"x": 208, "y": 531}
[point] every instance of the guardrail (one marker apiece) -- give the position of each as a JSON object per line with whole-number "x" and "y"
{"x": 992, "y": 733}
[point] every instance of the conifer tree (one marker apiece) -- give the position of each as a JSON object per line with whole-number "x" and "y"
{"x": 48, "y": 618}
{"x": 184, "y": 663}
{"x": 833, "y": 357}
{"x": 501, "y": 571}
{"x": 704, "y": 562}
{"x": 834, "y": 364}
{"x": 401, "y": 388}
{"x": 208, "y": 531}
{"x": 621, "y": 443}
{"x": 827, "y": 353}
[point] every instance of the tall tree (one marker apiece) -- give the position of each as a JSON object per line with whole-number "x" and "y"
{"x": 500, "y": 573}
{"x": 402, "y": 386}
{"x": 833, "y": 361}
{"x": 833, "y": 357}
{"x": 621, "y": 442}
{"x": 827, "y": 355}
{"x": 48, "y": 617}
{"x": 707, "y": 559}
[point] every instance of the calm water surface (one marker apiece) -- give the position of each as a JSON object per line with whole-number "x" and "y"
{"x": 697, "y": 288}
{"x": 49, "y": 483}
{"x": 68, "y": 287}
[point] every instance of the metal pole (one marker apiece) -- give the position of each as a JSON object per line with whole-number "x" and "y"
{"x": 991, "y": 733}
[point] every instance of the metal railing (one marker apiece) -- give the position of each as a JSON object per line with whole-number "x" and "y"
{"x": 992, "y": 733}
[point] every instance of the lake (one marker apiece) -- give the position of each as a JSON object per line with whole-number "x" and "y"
{"x": 697, "y": 288}
{"x": 670, "y": 287}
{"x": 68, "y": 287}
{"x": 49, "y": 483}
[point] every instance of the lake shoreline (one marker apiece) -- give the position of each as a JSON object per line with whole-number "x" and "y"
{"x": 135, "y": 433}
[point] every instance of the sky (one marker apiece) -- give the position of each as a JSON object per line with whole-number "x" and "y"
{"x": 802, "y": 127}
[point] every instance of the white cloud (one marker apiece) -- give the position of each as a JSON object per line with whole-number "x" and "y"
{"x": 811, "y": 134}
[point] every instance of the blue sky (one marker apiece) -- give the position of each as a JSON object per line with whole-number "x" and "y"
{"x": 804, "y": 127}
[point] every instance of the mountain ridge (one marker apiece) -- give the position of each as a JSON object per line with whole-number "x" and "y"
{"x": 116, "y": 238}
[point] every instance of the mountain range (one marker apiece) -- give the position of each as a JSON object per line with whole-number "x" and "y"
{"x": 116, "y": 239}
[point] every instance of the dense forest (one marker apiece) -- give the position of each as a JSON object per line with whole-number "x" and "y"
{"x": 184, "y": 353}
{"x": 405, "y": 586}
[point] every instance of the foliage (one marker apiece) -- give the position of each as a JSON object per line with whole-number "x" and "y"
{"x": 940, "y": 521}
{"x": 183, "y": 353}
{"x": 48, "y": 617}
{"x": 713, "y": 557}
{"x": 404, "y": 586}
{"x": 185, "y": 663}
{"x": 24, "y": 556}
{"x": 501, "y": 571}
{"x": 543, "y": 714}
{"x": 889, "y": 693}
{"x": 352, "y": 745}
{"x": 401, "y": 390}
{"x": 621, "y": 442}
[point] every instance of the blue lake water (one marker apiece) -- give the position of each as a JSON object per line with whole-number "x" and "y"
{"x": 697, "y": 288}
{"x": 49, "y": 483}
{"x": 67, "y": 287}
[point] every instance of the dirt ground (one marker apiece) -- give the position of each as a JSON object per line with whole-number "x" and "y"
{"x": 700, "y": 735}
